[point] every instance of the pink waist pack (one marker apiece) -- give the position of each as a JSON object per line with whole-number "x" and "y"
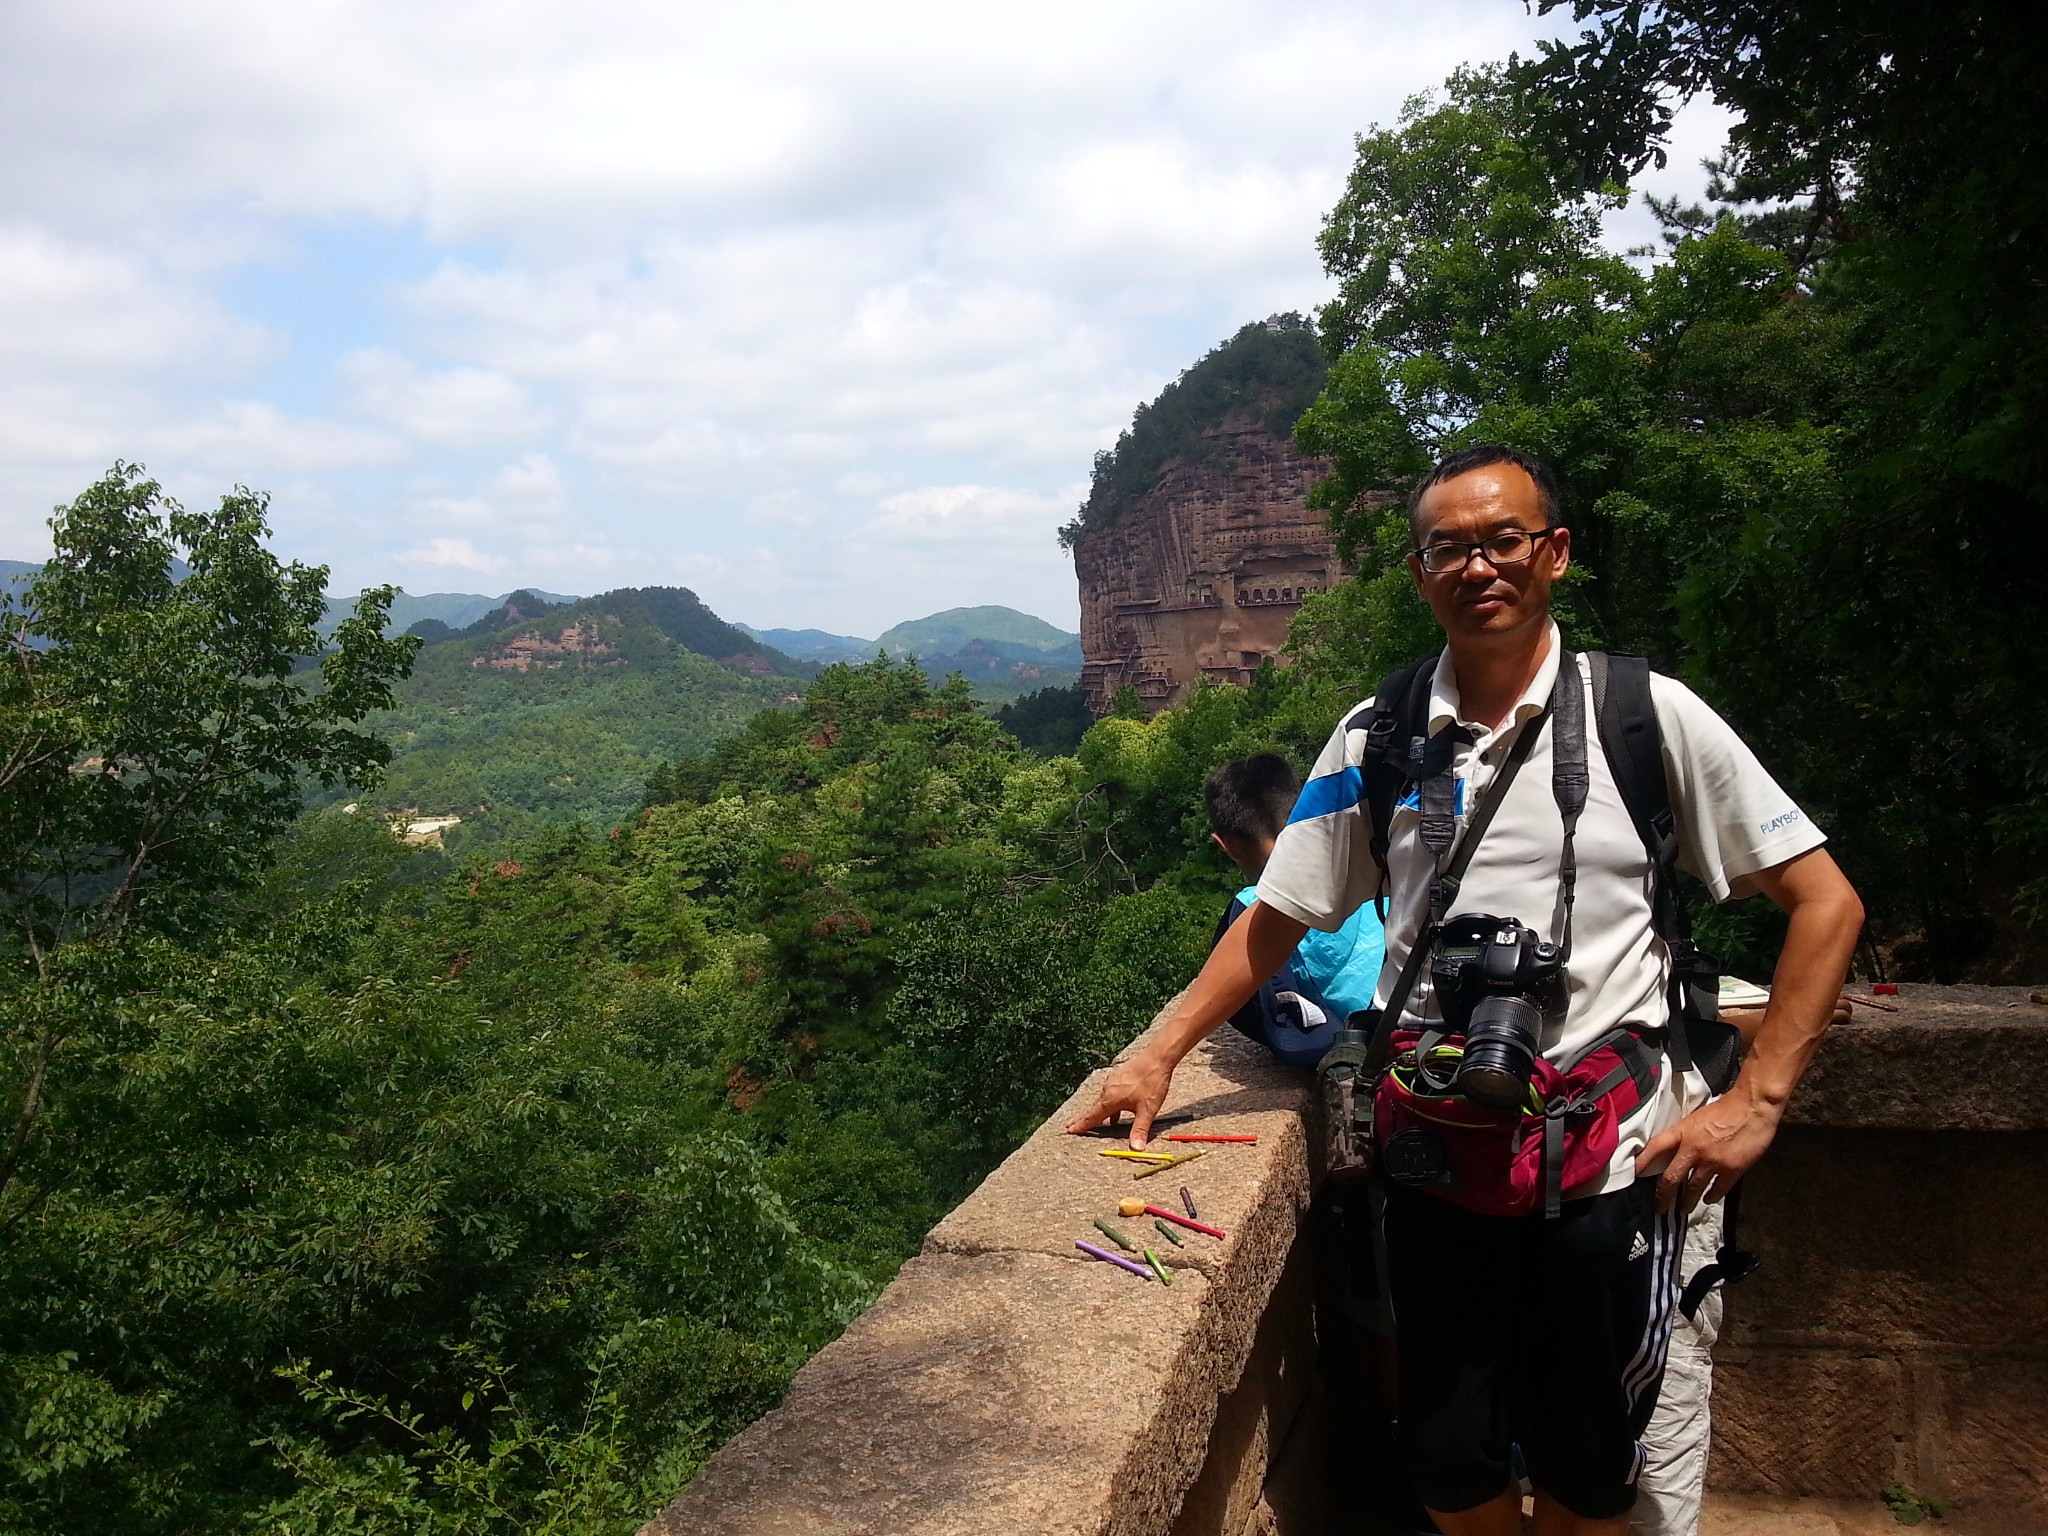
{"x": 1509, "y": 1162}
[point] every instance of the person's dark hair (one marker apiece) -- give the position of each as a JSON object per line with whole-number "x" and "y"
{"x": 1478, "y": 456}
{"x": 1251, "y": 797}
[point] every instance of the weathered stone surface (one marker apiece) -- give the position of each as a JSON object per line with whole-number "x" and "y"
{"x": 1203, "y": 576}
{"x": 1049, "y": 1190}
{"x": 1897, "y": 1333}
{"x": 1006, "y": 1384}
{"x": 1996, "y": 1449}
{"x": 1891, "y": 1239}
{"x": 1951, "y": 1058}
{"x": 1842, "y": 1440}
{"x": 1752, "y": 1514}
{"x": 1005, "y": 1393}
{"x": 1253, "y": 1421}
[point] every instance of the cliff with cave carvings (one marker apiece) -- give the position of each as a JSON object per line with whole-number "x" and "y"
{"x": 1203, "y": 573}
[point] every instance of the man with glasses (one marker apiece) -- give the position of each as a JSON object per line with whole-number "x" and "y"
{"x": 1546, "y": 1333}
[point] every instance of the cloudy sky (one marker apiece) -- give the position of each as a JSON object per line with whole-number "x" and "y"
{"x": 821, "y": 310}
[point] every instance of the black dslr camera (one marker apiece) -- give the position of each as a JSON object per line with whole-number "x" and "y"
{"x": 1494, "y": 981}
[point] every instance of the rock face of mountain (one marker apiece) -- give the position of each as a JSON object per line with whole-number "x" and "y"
{"x": 1203, "y": 573}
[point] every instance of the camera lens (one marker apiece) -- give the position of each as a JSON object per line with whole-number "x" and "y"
{"x": 1500, "y": 1051}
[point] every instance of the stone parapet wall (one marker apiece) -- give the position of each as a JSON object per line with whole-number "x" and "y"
{"x": 1004, "y": 1385}
{"x": 1898, "y": 1329}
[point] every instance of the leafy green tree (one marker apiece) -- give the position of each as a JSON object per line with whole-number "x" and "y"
{"x": 1905, "y": 146}
{"x": 157, "y": 736}
{"x": 1720, "y": 429}
{"x": 1049, "y": 722}
{"x": 156, "y": 739}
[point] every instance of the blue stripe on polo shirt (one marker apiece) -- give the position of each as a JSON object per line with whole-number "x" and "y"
{"x": 1326, "y": 796}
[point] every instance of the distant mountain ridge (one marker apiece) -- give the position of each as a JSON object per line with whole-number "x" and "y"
{"x": 546, "y": 633}
{"x": 1003, "y": 652}
{"x": 457, "y": 610}
{"x": 812, "y": 644}
{"x": 560, "y": 710}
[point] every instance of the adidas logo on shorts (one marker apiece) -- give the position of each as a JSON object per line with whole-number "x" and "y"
{"x": 1639, "y": 1247}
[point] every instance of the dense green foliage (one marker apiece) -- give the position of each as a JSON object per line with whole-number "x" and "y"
{"x": 1049, "y": 722}
{"x": 154, "y": 735}
{"x": 409, "y": 1194}
{"x": 1268, "y": 371}
{"x": 1751, "y": 500}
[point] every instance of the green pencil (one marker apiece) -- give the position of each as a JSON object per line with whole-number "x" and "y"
{"x": 1169, "y": 1234}
{"x": 1115, "y": 1236}
{"x": 1158, "y": 1268}
{"x": 1186, "y": 1157}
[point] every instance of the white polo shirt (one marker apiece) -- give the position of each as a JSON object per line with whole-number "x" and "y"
{"x": 1732, "y": 820}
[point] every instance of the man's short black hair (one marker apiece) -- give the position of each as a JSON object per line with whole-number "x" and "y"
{"x": 1251, "y": 797}
{"x": 1478, "y": 456}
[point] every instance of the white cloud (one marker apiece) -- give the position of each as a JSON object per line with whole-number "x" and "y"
{"x": 954, "y": 513}
{"x": 822, "y": 310}
{"x": 447, "y": 407}
{"x": 453, "y": 555}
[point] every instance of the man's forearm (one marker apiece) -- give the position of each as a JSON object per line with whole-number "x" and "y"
{"x": 1820, "y": 939}
{"x": 1717, "y": 1143}
{"x": 1251, "y": 950}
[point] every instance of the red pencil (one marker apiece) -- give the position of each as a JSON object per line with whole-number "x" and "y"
{"x": 1209, "y": 1138}
{"x": 1175, "y": 1216}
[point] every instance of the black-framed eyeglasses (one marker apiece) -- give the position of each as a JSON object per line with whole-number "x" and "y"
{"x": 1509, "y": 548}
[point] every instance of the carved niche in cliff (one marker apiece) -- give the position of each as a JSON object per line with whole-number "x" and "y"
{"x": 1203, "y": 574}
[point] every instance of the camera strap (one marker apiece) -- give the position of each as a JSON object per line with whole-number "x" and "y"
{"x": 1445, "y": 889}
{"x": 1569, "y": 780}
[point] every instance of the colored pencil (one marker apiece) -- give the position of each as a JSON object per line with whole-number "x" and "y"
{"x": 1182, "y": 1221}
{"x": 1107, "y": 1257}
{"x": 1115, "y": 1236}
{"x": 1169, "y": 1234}
{"x": 1185, "y": 1157}
{"x": 1188, "y": 1200}
{"x": 1248, "y": 1140}
{"x": 1158, "y": 1268}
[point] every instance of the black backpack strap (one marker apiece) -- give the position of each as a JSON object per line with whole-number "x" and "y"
{"x": 1398, "y": 753}
{"x": 1635, "y": 754}
{"x": 1731, "y": 1261}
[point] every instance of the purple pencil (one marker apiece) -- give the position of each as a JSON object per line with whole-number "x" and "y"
{"x": 1107, "y": 1257}
{"x": 1188, "y": 1200}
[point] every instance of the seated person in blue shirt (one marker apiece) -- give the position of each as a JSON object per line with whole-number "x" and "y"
{"x": 1298, "y": 1012}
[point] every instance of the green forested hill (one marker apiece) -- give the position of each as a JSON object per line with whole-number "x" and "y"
{"x": 1002, "y": 653}
{"x": 551, "y": 711}
{"x": 955, "y": 629}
